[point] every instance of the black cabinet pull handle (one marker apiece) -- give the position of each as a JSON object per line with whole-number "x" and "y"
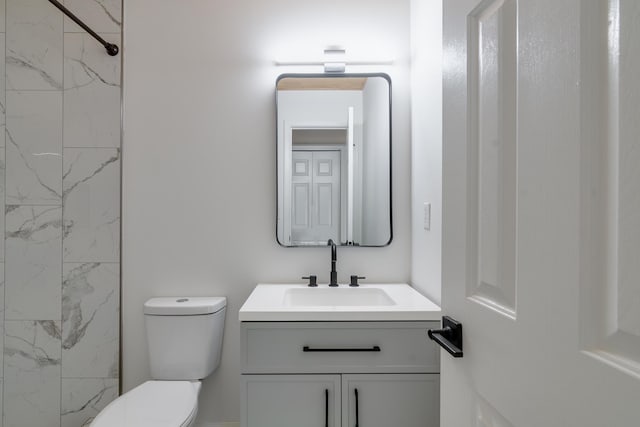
{"x": 449, "y": 337}
{"x": 357, "y": 415}
{"x": 308, "y": 349}
{"x": 326, "y": 407}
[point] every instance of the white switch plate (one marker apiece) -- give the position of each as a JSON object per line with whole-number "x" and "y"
{"x": 427, "y": 216}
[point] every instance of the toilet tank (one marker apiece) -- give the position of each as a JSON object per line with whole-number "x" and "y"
{"x": 184, "y": 336}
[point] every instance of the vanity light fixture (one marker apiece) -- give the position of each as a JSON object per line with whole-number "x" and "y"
{"x": 335, "y": 60}
{"x": 335, "y": 67}
{"x": 334, "y": 52}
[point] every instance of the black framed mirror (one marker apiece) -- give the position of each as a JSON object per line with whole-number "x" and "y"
{"x": 334, "y": 159}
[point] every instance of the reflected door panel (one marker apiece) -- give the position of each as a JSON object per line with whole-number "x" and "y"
{"x": 316, "y": 197}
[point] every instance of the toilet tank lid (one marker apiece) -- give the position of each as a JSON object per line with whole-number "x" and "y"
{"x": 184, "y": 306}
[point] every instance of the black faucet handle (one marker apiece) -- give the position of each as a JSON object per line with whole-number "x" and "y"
{"x": 354, "y": 280}
{"x": 313, "y": 280}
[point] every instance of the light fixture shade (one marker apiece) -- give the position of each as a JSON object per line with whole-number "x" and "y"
{"x": 334, "y": 67}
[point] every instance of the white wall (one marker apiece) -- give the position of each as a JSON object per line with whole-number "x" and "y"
{"x": 426, "y": 146}
{"x": 199, "y": 176}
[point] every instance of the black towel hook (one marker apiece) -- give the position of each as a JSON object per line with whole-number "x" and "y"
{"x": 112, "y": 49}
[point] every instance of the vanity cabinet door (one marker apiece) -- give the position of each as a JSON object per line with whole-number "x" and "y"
{"x": 407, "y": 400}
{"x": 290, "y": 400}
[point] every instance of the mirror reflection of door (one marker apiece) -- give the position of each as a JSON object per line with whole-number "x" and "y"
{"x": 317, "y": 186}
{"x": 315, "y": 196}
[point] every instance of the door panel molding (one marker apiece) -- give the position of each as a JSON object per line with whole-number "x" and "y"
{"x": 492, "y": 159}
{"x": 610, "y": 266}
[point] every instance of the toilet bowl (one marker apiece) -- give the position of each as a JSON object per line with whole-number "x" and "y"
{"x": 153, "y": 404}
{"x": 185, "y": 343}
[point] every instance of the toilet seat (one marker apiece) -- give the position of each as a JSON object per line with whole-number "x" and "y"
{"x": 153, "y": 404}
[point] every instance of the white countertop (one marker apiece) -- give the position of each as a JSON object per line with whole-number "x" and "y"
{"x": 272, "y": 303}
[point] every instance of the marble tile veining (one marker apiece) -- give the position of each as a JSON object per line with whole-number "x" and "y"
{"x": 60, "y": 130}
{"x": 82, "y": 399}
{"x": 103, "y": 16}
{"x": 2, "y": 86}
{"x": 90, "y": 299}
{"x": 34, "y": 148}
{"x": 1, "y": 301}
{"x": 2, "y": 197}
{"x": 1, "y": 323}
{"x": 92, "y": 93}
{"x": 34, "y": 31}
{"x": 1, "y": 400}
{"x": 2, "y": 21}
{"x": 92, "y": 204}
{"x": 33, "y": 271}
{"x": 32, "y": 374}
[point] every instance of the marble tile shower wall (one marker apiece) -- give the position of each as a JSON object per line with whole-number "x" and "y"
{"x": 60, "y": 186}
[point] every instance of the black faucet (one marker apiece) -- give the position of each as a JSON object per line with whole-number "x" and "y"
{"x": 333, "y": 282}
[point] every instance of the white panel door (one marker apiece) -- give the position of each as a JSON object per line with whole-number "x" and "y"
{"x": 541, "y": 212}
{"x": 301, "y": 197}
{"x": 315, "y": 197}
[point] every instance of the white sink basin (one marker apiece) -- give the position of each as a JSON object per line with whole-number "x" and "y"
{"x": 369, "y": 302}
{"x": 334, "y": 297}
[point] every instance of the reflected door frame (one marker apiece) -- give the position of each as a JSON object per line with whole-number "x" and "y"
{"x": 284, "y": 182}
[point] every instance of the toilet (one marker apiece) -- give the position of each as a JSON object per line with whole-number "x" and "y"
{"x": 185, "y": 342}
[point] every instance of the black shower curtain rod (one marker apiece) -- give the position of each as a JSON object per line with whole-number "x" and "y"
{"x": 112, "y": 49}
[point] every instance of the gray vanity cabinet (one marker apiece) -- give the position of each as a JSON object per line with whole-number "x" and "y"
{"x": 306, "y": 374}
{"x": 384, "y": 400}
{"x": 292, "y": 400}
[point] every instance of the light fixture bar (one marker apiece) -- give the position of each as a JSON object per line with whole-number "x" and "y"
{"x": 346, "y": 62}
{"x": 335, "y": 60}
{"x": 335, "y": 50}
